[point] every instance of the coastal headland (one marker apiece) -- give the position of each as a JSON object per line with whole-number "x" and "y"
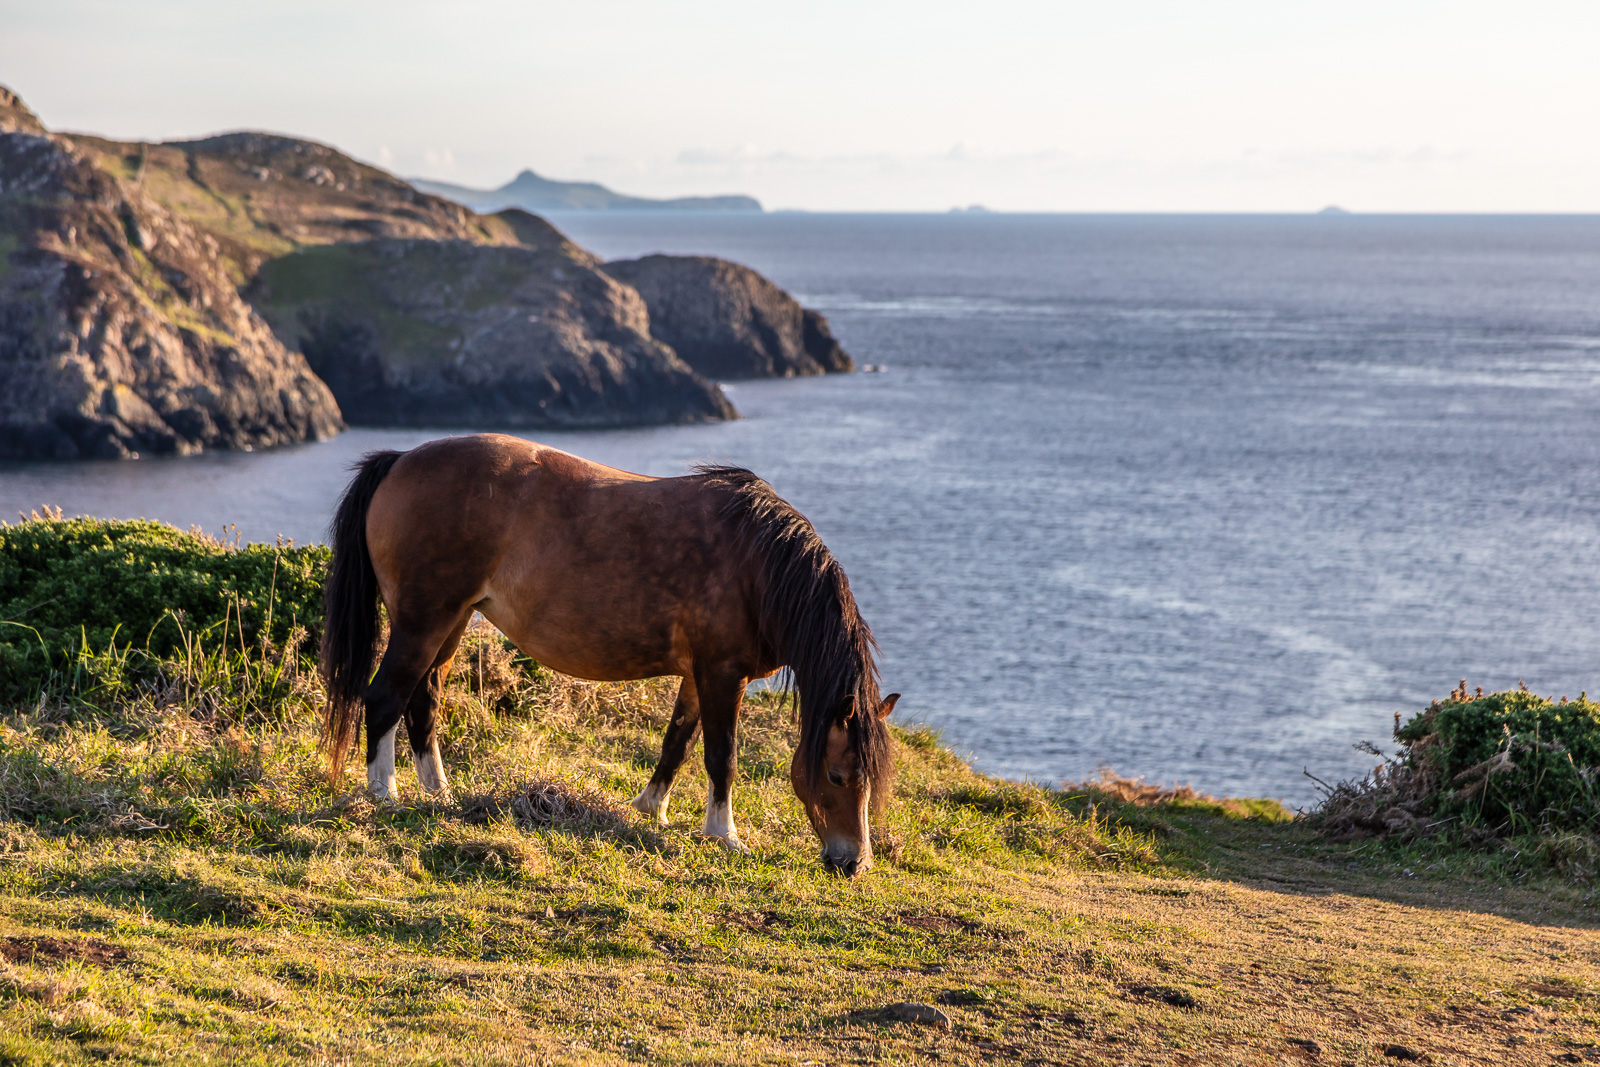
{"x": 250, "y": 289}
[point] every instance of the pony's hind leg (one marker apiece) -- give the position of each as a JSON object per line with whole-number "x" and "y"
{"x": 422, "y": 717}
{"x": 408, "y": 658}
{"x": 674, "y": 747}
{"x": 720, "y": 694}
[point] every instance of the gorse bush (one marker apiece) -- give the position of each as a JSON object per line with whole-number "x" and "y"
{"x": 1511, "y": 757}
{"x": 124, "y": 595}
{"x": 1502, "y": 764}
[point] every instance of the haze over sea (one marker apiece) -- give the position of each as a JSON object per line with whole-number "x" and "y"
{"x": 1201, "y": 498}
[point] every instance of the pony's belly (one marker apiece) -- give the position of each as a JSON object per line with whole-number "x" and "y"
{"x": 594, "y": 653}
{"x": 594, "y": 669}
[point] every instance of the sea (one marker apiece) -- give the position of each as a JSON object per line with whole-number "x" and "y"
{"x": 1203, "y": 499}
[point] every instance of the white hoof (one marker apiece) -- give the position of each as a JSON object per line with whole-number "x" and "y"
{"x": 430, "y": 772}
{"x": 380, "y": 772}
{"x": 732, "y": 843}
{"x": 653, "y": 802}
{"x": 719, "y": 824}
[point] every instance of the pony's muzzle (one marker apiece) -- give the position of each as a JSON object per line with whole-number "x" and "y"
{"x": 848, "y": 862}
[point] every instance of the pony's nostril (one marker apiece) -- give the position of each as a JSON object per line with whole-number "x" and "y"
{"x": 846, "y": 867}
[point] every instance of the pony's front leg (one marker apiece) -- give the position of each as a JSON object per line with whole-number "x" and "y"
{"x": 719, "y": 701}
{"x": 674, "y": 747}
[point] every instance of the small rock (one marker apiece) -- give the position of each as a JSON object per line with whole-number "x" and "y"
{"x": 911, "y": 1012}
{"x": 1403, "y": 1052}
{"x": 1307, "y": 1044}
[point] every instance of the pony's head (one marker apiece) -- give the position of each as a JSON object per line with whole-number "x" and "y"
{"x": 844, "y": 781}
{"x": 844, "y": 763}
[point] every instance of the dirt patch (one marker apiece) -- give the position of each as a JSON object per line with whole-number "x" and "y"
{"x": 754, "y": 921}
{"x": 1161, "y": 891}
{"x": 58, "y": 950}
{"x": 937, "y": 922}
{"x": 1176, "y": 998}
{"x": 1556, "y": 989}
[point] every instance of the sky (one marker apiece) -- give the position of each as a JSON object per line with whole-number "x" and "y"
{"x": 1147, "y": 105}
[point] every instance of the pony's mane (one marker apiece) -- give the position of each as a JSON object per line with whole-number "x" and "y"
{"x": 809, "y": 619}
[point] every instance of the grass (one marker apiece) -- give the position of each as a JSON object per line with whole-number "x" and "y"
{"x": 179, "y": 882}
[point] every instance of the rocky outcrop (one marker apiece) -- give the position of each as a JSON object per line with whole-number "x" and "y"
{"x": 415, "y": 310}
{"x": 727, "y": 321}
{"x": 121, "y": 329}
{"x": 235, "y": 291}
{"x": 448, "y": 333}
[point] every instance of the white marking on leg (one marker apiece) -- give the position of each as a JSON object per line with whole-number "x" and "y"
{"x": 653, "y": 801}
{"x": 380, "y": 772}
{"x": 719, "y": 821}
{"x": 430, "y": 772}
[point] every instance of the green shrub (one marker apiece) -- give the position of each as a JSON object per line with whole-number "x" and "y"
{"x": 74, "y": 586}
{"x": 1512, "y": 757}
{"x": 1507, "y": 763}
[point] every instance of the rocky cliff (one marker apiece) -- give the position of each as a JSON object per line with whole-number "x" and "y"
{"x": 236, "y": 291}
{"x": 121, "y": 329}
{"x": 727, "y": 321}
{"x": 413, "y": 309}
{"x": 448, "y": 333}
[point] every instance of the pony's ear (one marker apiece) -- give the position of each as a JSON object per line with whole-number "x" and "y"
{"x": 887, "y": 706}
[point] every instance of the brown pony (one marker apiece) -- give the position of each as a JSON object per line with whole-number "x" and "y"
{"x": 604, "y": 575}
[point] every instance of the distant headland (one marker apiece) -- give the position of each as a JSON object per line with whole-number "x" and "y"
{"x": 531, "y": 192}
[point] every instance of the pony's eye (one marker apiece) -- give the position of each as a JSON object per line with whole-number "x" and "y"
{"x": 836, "y": 778}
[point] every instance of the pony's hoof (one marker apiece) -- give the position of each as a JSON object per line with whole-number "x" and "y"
{"x": 732, "y": 844}
{"x": 652, "y": 803}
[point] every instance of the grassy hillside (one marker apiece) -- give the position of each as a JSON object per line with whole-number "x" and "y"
{"x": 264, "y": 195}
{"x": 179, "y": 883}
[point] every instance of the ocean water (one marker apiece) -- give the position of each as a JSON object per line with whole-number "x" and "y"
{"x": 1206, "y": 499}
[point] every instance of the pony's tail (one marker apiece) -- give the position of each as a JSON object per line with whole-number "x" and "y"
{"x": 350, "y": 611}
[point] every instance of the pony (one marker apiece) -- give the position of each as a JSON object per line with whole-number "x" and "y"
{"x": 606, "y": 575}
